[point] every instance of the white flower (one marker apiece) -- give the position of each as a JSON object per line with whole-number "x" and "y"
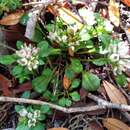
{"x": 108, "y": 26}
{"x": 23, "y": 61}
{"x": 123, "y": 49}
{"x": 37, "y": 113}
{"x": 64, "y": 38}
{"x": 28, "y": 56}
{"x": 119, "y": 53}
{"x": 30, "y": 115}
{"x": 23, "y": 112}
{"x": 31, "y": 122}
{"x": 88, "y": 16}
{"x": 114, "y": 57}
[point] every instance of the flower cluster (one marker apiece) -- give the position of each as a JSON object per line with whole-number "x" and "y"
{"x": 28, "y": 56}
{"x": 88, "y": 16}
{"x": 119, "y": 54}
{"x": 31, "y": 116}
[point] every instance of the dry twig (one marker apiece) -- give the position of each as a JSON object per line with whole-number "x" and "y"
{"x": 63, "y": 109}
{"x": 102, "y": 104}
{"x": 107, "y": 104}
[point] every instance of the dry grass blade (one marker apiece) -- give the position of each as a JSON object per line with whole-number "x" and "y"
{"x": 114, "y": 94}
{"x": 114, "y": 124}
{"x": 69, "y": 17}
{"x": 11, "y": 19}
{"x": 114, "y": 13}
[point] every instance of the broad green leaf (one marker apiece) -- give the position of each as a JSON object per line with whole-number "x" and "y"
{"x": 46, "y": 50}
{"x": 44, "y": 46}
{"x": 68, "y": 102}
{"x": 69, "y": 73}
{"x": 75, "y": 96}
{"x": 7, "y": 59}
{"x": 18, "y": 108}
{"x": 105, "y": 38}
{"x": 26, "y": 95}
{"x": 90, "y": 81}
{"x": 47, "y": 95}
{"x": 24, "y": 19}
{"x": 17, "y": 70}
{"x": 40, "y": 83}
{"x": 38, "y": 126}
{"x": 42, "y": 117}
{"x": 23, "y": 127}
{"x": 75, "y": 83}
{"x": 44, "y": 109}
{"x": 121, "y": 79}
{"x": 62, "y": 102}
{"x": 19, "y": 44}
{"x": 38, "y": 34}
{"x": 100, "y": 61}
{"x": 76, "y": 66}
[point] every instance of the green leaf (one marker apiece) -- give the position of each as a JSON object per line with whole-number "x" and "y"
{"x": 17, "y": 70}
{"x": 44, "y": 47}
{"x": 69, "y": 73}
{"x": 47, "y": 95}
{"x": 68, "y": 102}
{"x": 38, "y": 34}
{"x": 62, "y": 102}
{"x": 19, "y": 44}
{"x": 76, "y": 66}
{"x": 105, "y": 38}
{"x": 18, "y": 108}
{"x": 24, "y": 19}
{"x": 100, "y": 61}
{"x": 121, "y": 79}
{"x": 40, "y": 83}
{"x": 26, "y": 95}
{"x": 75, "y": 83}
{"x": 46, "y": 50}
{"x": 42, "y": 117}
{"x": 38, "y": 126}
{"x": 75, "y": 96}
{"x": 7, "y": 59}
{"x": 90, "y": 81}
{"x": 45, "y": 109}
{"x": 22, "y": 127}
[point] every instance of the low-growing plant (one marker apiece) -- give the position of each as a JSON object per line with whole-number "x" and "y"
{"x": 59, "y": 64}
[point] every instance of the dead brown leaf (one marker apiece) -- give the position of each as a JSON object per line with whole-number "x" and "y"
{"x": 95, "y": 126}
{"x": 5, "y": 84}
{"x": 126, "y": 2}
{"x": 60, "y": 128}
{"x": 114, "y": 94}
{"x": 11, "y": 19}
{"x": 114, "y": 13}
{"x": 66, "y": 82}
{"x": 114, "y": 124}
